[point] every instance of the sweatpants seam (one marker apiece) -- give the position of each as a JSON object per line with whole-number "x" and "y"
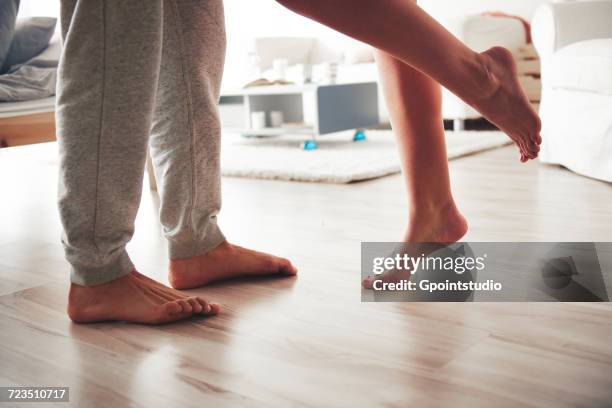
{"x": 100, "y": 132}
{"x": 180, "y": 39}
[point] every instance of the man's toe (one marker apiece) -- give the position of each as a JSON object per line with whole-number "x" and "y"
{"x": 287, "y": 267}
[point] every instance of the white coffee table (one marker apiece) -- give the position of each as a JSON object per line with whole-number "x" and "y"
{"x": 311, "y": 110}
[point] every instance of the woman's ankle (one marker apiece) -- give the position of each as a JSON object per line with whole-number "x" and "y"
{"x": 442, "y": 222}
{"x": 430, "y": 207}
{"x": 480, "y": 83}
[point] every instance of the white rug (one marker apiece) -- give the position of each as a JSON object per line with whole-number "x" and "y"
{"x": 338, "y": 159}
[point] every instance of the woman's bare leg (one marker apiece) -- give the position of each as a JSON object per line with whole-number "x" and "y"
{"x": 487, "y": 81}
{"x": 414, "y": 101}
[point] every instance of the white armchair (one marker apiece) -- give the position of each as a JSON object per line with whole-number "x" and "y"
{"x": 574, "y": 41}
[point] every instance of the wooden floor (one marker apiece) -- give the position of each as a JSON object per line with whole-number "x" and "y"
{"x": 309, "y": 341}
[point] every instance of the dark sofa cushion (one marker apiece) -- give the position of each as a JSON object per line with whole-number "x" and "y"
{"x": 30, "y": 38}
{"x": 8, "y": 17}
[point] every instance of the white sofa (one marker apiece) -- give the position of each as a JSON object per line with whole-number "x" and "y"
{"x": 574, "y": 41}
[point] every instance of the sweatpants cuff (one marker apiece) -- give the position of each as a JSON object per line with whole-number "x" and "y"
{"x": 212, "y": 239}
{"x": 89, "y": 276}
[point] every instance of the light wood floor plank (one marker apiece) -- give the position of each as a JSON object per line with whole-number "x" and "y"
{"x": 310, "y": 341}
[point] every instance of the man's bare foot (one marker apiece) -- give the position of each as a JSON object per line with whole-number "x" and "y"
{"x": 224, "y": 262}
{"x": 506, "y": 105}
{"x": 443, "y": 226}
{"x": 134, "y": 298}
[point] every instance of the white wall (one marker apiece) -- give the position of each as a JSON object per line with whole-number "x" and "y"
{"x": 452, "y": 8}
{"x": 248, "y": 19}
{"x": 39, "y": 8}
{"x": 253, "y": 9}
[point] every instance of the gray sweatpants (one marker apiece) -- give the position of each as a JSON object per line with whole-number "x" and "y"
{"x": 135, "y": 74}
